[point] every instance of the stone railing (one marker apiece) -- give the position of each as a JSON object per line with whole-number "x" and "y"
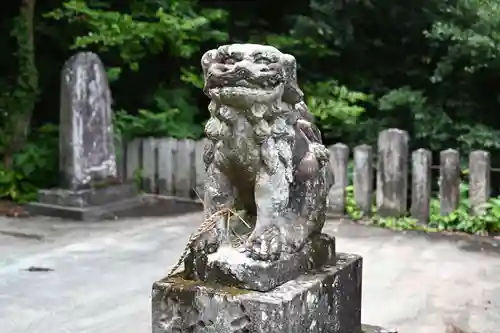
{"x": 175, "y": 168}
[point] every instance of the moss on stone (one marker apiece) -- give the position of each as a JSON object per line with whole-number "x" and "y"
{"x": 179, "y": 281}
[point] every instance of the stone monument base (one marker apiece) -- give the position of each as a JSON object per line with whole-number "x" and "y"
{"x": 88, "y": 204}
{"x": 326, "y": 300}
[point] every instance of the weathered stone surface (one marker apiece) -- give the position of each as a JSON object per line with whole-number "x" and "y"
{"x": 363, "y": 178}
{"x": 339, "y": 162}
{"x": 421, "y": 185}
{"x": 93, "y": 213}
{"x": 90, "y": 188}
{"x": 265, "y": 160}
{"x": 265, "y": 155}
{"x": 148, "y": 165}
{"x": 96, "y": 203}
{"x": 230, "y": 266}
{"x": 86, "y": 140}
{"x": 479, "y": 180}
{"x": 326, "y": 301}
{"x": 88, "y": 197}
{"x": 392, "y": 172}
{"x": 449, "y": 181}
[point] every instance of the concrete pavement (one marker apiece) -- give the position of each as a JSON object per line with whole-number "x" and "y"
{"x": 101, "y": 274}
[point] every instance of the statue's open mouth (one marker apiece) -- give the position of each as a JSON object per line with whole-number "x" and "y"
{"x": 242, "y": 85}
{"x": 247, "y": 84}
{"x": 243, "y": 92}
{"x": 242, "y": 79}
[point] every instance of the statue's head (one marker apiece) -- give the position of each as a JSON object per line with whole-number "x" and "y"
{"x": 245, "y": 74}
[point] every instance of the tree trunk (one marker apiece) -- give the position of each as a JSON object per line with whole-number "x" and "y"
{"x": 25, "y": 93}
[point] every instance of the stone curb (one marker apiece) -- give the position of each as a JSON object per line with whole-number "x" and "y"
{"x": 376, "y": 329}
{"x": 465, "y": 241}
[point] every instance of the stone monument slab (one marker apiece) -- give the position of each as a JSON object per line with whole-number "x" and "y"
{"x": 86, "y": 138}
{"x": 326, "y": 300}
{"x": 90, "y": 186}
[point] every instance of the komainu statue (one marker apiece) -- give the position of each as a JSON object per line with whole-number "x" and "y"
{"x": 265, "y": 155}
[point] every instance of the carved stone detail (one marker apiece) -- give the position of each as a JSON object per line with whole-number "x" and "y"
{"x": 265, "y": 155}
{"x": 87, "y": 151}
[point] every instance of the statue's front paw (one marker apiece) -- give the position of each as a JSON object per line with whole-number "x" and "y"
{"x": 264, "y": 246}
{"x": 208, "y": 242}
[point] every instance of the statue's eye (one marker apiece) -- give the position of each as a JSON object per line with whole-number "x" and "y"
{"x": 263, "y": 61}
{"x": 229, "y": 61}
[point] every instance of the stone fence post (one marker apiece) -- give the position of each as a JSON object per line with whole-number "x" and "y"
{"x": 479, "y": 179}
{"x": 449, "y": 181}
{"x": 363, "y": 178}
{"x": 339, "y": 161}
{"x": 392, "y": 172}
{"x": 421, "y": 185}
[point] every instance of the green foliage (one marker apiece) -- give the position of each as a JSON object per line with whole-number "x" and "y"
{"x": 138, "y": 176}
{"x": 430, "y": 123}
{"x": 35, "y": 166}
{"x": 471, "y": 28}
{"x": 26, "y": 90}
{"x": 338, "y": 110}
{"x": 19, "y": 175}
{"x": 351, "y": 208}
{"x": 460, "y": 220}
{"x": 18, "y": 99}
{"x": 172, "y": 116}
{"x": 334, "y": 104}
{"x": 429, "y": 67}
{"x": 144, "y": 29}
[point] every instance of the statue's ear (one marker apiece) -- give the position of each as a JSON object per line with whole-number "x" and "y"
{"x": 292, "y": 93}
{"x": 207, "y": 59}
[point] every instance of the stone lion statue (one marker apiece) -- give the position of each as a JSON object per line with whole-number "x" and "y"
{"x": 265, "y": 155}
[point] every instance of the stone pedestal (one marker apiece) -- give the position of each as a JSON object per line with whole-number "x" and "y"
{"x": 326, "y": 300}
{"x": 230, "y": 266}
{"x": 94, "y": 203}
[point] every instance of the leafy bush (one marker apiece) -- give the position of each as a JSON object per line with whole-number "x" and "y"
{"x": 332, "y": 103}
{"x": 336, "y": 108}
{"x": 172, "y": 116}
{"x": 144, "y": 28}
{"x": 34, "y": 167}
{"x": 460, "y": 220}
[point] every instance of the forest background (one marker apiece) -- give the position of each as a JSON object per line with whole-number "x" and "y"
{"x": 430, "y": 67}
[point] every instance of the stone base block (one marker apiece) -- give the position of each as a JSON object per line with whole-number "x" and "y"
{"x": 88, "y": 204}
{"x": 327, "y": 300}
{"x": 230, "y": 266}
{"x": 93, "y": 213}
{"x": 88, "y": 197}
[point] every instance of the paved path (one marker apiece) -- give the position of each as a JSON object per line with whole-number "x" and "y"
{"x": 102, "y": 274}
